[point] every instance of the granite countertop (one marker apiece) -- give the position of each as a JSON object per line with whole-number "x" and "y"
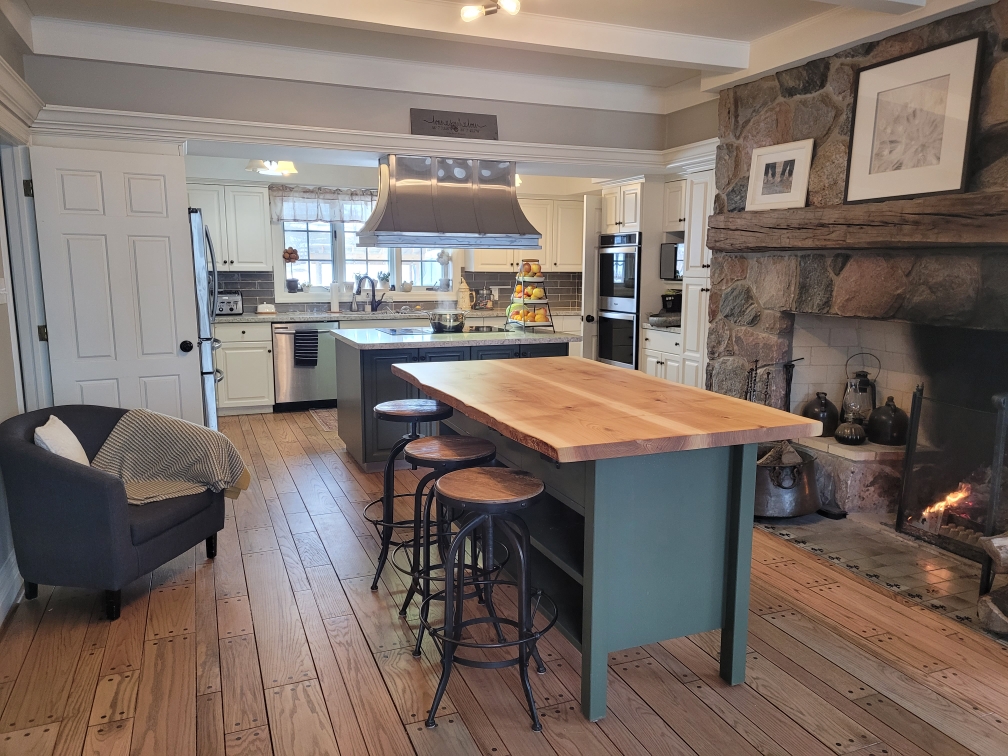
{"x": 372, "y": 338}
{"x": 648, "y": 327}
{"x": 319, "y": 317}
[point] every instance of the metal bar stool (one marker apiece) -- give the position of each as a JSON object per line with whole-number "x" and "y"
{"x": 414, "y": 412}
{"x": 443, "y": 454}
{"x": 488, "y": 498}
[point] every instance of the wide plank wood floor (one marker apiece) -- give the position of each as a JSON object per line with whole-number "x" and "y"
{"x": 279, "y": 647}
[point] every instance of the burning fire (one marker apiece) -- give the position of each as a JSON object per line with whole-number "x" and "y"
{"x": 937, "y": 509}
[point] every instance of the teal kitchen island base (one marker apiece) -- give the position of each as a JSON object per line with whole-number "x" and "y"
{"x": 636, "y": 550}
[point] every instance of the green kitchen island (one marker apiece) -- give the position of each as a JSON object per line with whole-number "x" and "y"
{"x": 645, "y": 531}
{"x": 364, "y": 360}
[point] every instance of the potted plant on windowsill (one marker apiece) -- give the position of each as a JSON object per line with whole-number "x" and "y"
{"x": 383, "y": 280}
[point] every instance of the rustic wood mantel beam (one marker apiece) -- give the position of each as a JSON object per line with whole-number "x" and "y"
{"x": 950, "y": 220}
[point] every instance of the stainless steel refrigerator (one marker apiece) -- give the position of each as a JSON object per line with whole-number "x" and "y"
{"x": 205, "y": 265}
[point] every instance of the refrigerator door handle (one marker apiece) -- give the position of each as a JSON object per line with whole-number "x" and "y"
{"x": 213, "y": 267}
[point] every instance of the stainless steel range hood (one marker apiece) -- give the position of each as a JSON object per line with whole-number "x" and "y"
{"x": 447, "y": 202}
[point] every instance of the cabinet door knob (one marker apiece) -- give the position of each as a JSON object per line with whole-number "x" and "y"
{"x": 232, "y": 262}
{"x": 677, "y": 343}
{"x": 682, "y": 220}
{"x": 243, "y": 333}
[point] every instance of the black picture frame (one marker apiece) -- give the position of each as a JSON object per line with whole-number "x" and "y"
{"x": 970, "y": 125}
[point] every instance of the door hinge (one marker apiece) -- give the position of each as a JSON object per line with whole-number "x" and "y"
{"x": 43, "y": 333}
{"x": 29, "y": 188}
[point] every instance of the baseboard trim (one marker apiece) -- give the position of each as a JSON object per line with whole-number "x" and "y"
{"x": 227, "y": 411}
{"x": 10, "y": 584}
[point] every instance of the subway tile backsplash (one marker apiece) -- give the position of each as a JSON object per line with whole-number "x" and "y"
{"x": 825, "y": 343}
{"x": 563, "y": 289}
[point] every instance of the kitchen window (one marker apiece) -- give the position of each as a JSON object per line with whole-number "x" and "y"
{"x": 360, "y": 261}
{"x": 420, "y": 266}
{"x": 314, "y": 244}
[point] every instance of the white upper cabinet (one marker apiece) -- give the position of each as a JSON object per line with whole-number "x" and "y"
{"x": 621, "y": 208}
{"x": 700, "y": 199}
{"x": 611, "y": 209}
{"x": 248, "y": 227}
{"x": 539, "y": 213}
{"x": 561, "y": 223}
{"x": 210, "y": 199}
{"x": 630, "y": 207}
{"x": 675, "y": 207}
{"x": 568, "y": 236}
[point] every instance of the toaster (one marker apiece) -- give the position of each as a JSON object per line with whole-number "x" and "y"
{"x": 229, "y": 303}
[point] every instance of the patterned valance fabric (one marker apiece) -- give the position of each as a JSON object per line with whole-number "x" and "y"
{"x": 320, "y": 203}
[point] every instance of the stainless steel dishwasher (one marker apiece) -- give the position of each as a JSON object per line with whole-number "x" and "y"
{"x": 304, "y": 364}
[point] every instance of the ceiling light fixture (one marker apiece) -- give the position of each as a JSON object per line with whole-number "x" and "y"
{"x": 271, "y": 167}
{"x": 472, "y": 12}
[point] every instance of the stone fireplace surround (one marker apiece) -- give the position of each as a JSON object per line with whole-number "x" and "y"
{"x": 849, "y": 300}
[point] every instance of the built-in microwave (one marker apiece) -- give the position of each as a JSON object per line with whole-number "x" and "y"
{"x": 672, "y": 263}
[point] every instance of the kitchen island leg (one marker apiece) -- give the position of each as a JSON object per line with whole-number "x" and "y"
{"x": 738, "y": 558}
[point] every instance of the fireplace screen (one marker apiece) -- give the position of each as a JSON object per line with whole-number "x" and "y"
{"x": 953, "y": 475}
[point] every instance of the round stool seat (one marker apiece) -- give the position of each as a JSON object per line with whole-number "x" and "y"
{"x": 413, "y": 410}
{"x": 489, "y": 489}
{"x": 441, "y": 451}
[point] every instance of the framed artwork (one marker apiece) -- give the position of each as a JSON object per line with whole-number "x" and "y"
{"x": 913, "y": 119}
{"x": 779, "y": 176}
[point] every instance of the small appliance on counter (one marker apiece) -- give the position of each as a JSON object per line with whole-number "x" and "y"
{"x": 484, "y": 299}
{"x": 229, "y": 303}
{"x": 670, "y": 315}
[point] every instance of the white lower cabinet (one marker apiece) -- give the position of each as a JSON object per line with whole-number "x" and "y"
{"x": 248, "y": 374}
{"x": 661, "y": 355}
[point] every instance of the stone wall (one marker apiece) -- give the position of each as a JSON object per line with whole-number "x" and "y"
{"x": 815, "y": 101}
{"x": 754, "y": 297}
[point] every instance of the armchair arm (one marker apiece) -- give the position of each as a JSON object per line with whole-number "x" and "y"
{"x": 70, "y": 522}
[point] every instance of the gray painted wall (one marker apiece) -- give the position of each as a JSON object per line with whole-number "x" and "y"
{"x": 119, "y": 86}
{"x": 693, "y": 124}
{"x": 12, "y": 47}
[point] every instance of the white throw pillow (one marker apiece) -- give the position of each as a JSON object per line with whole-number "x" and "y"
{"x": 57, "y": 438}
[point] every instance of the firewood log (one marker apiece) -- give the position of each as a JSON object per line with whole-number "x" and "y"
{"x": 997, "y": 548}
{"x": 992, "y": 611}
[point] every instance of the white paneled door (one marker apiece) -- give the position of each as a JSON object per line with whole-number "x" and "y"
{"x": 117, "y": 271}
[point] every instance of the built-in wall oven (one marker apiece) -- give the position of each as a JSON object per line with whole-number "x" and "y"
{"x": 619, "y": 294}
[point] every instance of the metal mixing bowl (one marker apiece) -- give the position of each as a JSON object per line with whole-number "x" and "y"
{"x": 447, "y": 321}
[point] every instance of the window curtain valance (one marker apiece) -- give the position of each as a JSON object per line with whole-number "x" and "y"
{"x": 319, "y": 203}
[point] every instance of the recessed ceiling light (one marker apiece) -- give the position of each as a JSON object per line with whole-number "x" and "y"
{"x": 271, "y": 167}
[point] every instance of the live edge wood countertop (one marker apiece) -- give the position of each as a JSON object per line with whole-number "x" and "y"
{"x": 574, "y": 410}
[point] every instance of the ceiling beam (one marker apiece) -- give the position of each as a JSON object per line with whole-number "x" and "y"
{"x": 532, "y": 31}
{"x": 829, "y": 33}
{"x": 118, "y": 44}
{"x": 880, "y": 6}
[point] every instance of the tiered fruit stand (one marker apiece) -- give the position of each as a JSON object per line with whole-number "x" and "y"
{"x": 529, "y": 303}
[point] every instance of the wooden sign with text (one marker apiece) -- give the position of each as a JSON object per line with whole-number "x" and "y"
{"x": 445, "y": 123}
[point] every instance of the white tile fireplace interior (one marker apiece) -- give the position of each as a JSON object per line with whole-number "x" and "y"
{"x": 825, "y": 343}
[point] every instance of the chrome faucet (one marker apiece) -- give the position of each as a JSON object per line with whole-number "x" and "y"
{"x": 374, "y": 302}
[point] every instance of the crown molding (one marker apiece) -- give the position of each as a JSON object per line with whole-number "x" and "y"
{"x": 20, "y": 104}
{"x": 691, "y": 158}
{"x": 57, "y": 121}
{"x": 116, "y": 44}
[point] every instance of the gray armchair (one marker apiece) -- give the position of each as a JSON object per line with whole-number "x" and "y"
{"x": 72, "y": 524}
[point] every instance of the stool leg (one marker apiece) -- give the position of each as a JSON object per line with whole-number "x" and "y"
{"x": 488, "y": 566}
{"x": 417, "y": 538}
{"x": 524, "y": 616}
{"x": 526, "y": 539}
{"x": 426, "y": 570}
{"x": 388, "y": 505}
{"x": 453, "y": 609}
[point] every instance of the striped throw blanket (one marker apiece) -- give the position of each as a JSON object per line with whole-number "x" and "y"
{"x": 160, "y": 457}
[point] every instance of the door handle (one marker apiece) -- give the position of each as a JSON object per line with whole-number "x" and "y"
{"x": 218, "y": 375}
{"x": 215, "y": 344}
{"x": 589, "y": 318}
{"x": 186, "y": 346}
